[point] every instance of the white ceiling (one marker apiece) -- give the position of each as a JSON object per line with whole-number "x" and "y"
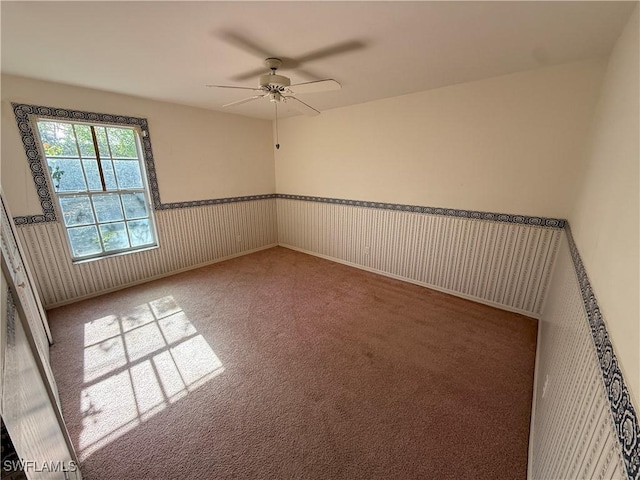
{"x": 170, "y": 50}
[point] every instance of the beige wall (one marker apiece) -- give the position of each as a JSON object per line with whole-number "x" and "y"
{"x": 508, "y": 144}
{"x": 199, "y": 154}
{"x": 606, "y": 212}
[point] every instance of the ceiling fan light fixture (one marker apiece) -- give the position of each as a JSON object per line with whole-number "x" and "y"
{"x": 277, "y": 89}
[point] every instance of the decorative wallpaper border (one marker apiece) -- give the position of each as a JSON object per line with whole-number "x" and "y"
{"x": 214, "y": 201}
{"x": 39, "y": 172}
{"x": 38, "y": 169}
{"x": 624, "y": 415}
{"x": 11, "y": 318}
{"x": 23, "y": 111}
{"x": 449, "y": 212}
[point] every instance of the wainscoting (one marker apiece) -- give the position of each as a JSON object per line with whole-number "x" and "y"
{"x": 501, "y": 263}
{"x": 188, "y": 237}
{"x": 573, "y": 435}
{"x": 583, "y": 423}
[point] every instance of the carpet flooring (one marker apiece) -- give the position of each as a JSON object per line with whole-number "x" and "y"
{"x": 279, "y": 364}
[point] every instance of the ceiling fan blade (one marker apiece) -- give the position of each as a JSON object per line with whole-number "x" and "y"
{"x": 240, "y": 102}
{"x": 316, "y": 86}
{"x": 302, "y": 107}
{"x": 336, "y": 49}
{"x": 238, "y": 88}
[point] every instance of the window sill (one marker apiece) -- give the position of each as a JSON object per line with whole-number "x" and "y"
{"x": 112, "y": 255}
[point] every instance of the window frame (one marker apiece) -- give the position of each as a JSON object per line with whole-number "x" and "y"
{"x": 139, "y": 135}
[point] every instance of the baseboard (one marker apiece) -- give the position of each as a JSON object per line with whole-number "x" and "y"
{"x": 415, "y": 282}
{"x": 156, "y": 277}
{"x": 533, "y": 404}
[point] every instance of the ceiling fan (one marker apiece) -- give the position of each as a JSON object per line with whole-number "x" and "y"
{"x": 278, "y": 88}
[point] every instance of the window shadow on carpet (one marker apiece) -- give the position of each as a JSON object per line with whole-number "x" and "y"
{"x": 135, "y": 365}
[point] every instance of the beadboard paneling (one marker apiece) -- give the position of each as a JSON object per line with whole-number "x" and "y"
{"x": 573, "y": 434}
{"x": 188, "y": 237}
{"x": 500, "y": 263}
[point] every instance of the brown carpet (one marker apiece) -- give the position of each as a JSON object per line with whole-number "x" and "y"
{"x": 283, "y": 365}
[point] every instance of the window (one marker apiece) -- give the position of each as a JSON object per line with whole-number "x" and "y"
{"x": 98, "y": 177}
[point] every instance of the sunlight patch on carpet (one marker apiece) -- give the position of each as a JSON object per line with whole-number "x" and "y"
{"x": 137, "y": 364}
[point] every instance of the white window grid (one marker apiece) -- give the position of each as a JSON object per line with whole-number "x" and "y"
{"x": 118, "y": 191}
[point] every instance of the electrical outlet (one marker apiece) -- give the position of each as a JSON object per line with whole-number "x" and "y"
{"x": 239, "y": 238}
{"x": 366, "y": 250}
{"x": 546, "y": 384}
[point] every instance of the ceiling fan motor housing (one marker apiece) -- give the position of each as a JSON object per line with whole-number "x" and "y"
{"x": 274, "y": 80}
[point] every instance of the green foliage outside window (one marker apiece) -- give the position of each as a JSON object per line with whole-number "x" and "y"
{"x": 104, "y": 209}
